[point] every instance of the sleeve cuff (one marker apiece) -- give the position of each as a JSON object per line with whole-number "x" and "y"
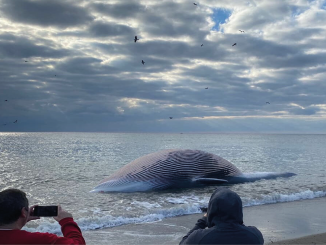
{"x": 202, "y": 222}
{"x": 66, "y": 220}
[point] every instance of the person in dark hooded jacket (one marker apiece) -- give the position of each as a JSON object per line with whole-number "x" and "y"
{"x": 223, "y": 223}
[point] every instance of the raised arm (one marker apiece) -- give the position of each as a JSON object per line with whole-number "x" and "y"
{"x": 70, "y": 230}
{"x": 200, "y": 225}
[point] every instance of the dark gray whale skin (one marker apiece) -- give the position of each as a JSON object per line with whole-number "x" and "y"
{"x": 177, "y": 169}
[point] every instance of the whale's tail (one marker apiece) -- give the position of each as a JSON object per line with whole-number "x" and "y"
{"x": 250, "y": 177}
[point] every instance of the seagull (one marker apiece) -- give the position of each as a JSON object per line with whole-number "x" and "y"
{"x": 202, "y": 45}
{"x": 6, "y": 100}
{"x": 206, "y": 88}
{"x": 136, "y": 39}
{"x": 267, "y": 102}
{"x": 195, "y": 4}
{"x": 15, "y": 121}
{"x": 170, "y": 117}
{"x": 234, "y": 44}
{"x": 26, "y": 61}
{"x": 241, "y": 31}
{"x": 143, "y": 62}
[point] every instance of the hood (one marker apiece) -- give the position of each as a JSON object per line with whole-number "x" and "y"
{"x": 225, "y": 206}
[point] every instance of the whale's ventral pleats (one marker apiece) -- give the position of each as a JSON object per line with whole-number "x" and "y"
{"x": 173, "y": 169}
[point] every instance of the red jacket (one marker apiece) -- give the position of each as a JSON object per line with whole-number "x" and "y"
{"x": 70, "y": 230}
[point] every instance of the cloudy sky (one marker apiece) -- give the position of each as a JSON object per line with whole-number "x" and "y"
{"x": 73, "y": 65}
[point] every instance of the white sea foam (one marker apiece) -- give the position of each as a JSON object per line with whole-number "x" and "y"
{"x": 176, "y": 200}
{"x": 185, "y": 200}
{"x": 278, "y": 198}
{"x": 106, "y": 221}
{"x": 146, "y": 204}
{"x": 186, "y": 205}
{"x": 45, "y": 226}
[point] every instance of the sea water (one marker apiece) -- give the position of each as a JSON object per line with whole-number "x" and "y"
{"x": 62, "y": 168}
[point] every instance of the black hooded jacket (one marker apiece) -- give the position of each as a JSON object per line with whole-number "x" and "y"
{"x": 224, "y": 223}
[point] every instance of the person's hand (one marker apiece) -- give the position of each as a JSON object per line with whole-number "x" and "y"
{"x": 62, "y": 214}
{"x": 30, "y": 214}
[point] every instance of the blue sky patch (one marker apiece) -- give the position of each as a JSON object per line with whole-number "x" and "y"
{"x": 296, "y": 11}
{"x": 220, "y": 16}
{"x": 323, "y": 6}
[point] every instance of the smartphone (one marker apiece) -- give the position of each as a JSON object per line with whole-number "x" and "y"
{"x": 204, "y": 210}
{"x": 45, "y": 211}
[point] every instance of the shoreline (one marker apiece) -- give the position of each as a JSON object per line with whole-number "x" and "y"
{"x": 298, "y": 222}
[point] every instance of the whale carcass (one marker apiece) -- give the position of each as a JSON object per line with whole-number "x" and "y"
{"x": 177, "y": 169}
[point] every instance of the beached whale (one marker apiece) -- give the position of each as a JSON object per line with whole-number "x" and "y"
{"x": 177, "y": 169}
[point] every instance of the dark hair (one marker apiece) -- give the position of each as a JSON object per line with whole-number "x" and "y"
{"x": 11, "y": 203}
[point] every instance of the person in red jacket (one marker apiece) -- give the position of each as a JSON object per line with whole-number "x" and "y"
{"x": 15, "y": 213}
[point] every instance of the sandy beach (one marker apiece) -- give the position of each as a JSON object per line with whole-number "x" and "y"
{"x": 299, "y": 222}
{"x": 313, "y": 239}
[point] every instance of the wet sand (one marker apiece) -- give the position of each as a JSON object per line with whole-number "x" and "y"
{"x": 313, "y": 239}
{"x": 280, "y": 223}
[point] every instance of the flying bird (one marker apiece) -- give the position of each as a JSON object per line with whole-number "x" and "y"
{"x": 234, "y": 44}
{"x": 26, "y": 61}
{"x": 202, "y": 45}
{"x": 241, "y": 31}
{"x": 15, "y": 121}
{"x": 195, "y": 4}
{"x": 143, "y": 62}
{"x": 6, "y": 100}
{"x": 267, "y": 102}
{"x": 206, "y": 88}
{"x": 170, "y": 117}
{"x": 136, "y": 39}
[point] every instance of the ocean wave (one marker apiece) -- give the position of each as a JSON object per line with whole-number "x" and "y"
{"x": 107, "y": 221}
{"x": 279, "y": 198}
{"x": 99, "y": 221}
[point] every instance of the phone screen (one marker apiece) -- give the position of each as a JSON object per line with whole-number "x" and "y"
{"x": 45, "y": 211}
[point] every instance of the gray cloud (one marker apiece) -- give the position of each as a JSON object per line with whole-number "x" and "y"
{"x": 305, "y": 111}
{"x": 299, "y": 60}
{"x": 21, "y": 47}
{"x": 84, "y": 66}
{"x": 100, "y": 29}
{"x": 86, "y": 72}
{"x": 119, "y": 10}
{"x": 57, "y": 13}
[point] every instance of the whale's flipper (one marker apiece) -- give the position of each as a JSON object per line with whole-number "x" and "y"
{"x": 210, "y": 181}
